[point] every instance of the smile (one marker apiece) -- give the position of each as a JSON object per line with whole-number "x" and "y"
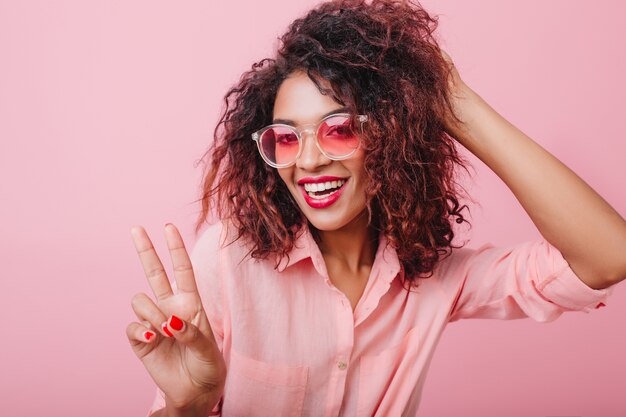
{"x": 322, "y": 194}
{"x": 323, "y": 189}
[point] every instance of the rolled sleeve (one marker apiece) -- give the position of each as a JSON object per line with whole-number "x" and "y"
{"x": 528, "y": 279}
{"x": 566, "y": 289}
{"x": 158, "y": 403}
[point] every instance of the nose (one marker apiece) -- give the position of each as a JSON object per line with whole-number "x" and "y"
{"x": 310, "y": 158}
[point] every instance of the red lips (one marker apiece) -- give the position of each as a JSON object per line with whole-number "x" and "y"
{"x": 320, "y": 203}
{"x": 324, "y": 178}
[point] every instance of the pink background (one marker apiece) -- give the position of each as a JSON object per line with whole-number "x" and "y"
{"x": 105, "y": 106}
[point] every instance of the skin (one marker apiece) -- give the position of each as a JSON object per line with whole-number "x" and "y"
{"x": 568, "y": 213}
{"x": 188, "y": 366}
{"x": 348, "y": 245}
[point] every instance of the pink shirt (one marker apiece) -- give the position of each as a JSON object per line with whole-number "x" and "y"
{"x": 293, "y": 346}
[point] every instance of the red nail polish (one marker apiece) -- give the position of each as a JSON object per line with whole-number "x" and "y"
{"x": 600, "y": 304}
{"x": 176, "y": 323}
{"x": 166, "y": 330}
{"x": 148, "y": 335}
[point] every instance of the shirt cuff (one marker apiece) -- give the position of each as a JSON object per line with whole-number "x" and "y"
{"x": 217, "y": 410}
{"x": 567, "y": 290}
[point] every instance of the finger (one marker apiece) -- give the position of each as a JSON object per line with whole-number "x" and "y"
{"x": 152, "y": 266}
{"x": 148, "y": 312}
{"x": 183, "y": 270}
{"x": 139, "y": 335}
{"x": 198, "y": 343}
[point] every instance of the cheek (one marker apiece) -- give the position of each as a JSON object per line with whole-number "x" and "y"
{"x": 285, "y": 175}
{"x": 357, "y": 170}
{"x": 357, "y": 162}
{"x": 362, "y": 181}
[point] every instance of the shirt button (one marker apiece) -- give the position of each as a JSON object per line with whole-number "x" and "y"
{"x": 341, "y": 365}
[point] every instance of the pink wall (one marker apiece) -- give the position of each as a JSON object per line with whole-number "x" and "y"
{"x": 105, "y": 106}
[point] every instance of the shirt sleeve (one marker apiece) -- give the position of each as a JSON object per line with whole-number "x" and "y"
{"x": 159, "y": 403}
{"x": 208, "y": 280}
{"x": 529, "y": 279}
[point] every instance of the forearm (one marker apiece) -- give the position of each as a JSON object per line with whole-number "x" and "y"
{"x": 589, "y": 233}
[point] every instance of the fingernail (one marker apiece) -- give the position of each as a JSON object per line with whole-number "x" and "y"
{"x": 176, "y": 323}
{"x": 148, "y": 335}
{"x": 167, "y": 224}
{"x": 166, "y": 330}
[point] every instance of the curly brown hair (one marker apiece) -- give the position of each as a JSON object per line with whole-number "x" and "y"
{"x": 382, "y": 60}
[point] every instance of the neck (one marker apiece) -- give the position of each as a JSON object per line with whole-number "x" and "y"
{"x": 354, "y": 245}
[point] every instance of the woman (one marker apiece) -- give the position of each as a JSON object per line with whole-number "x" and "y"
{"x": 328, "y": 280}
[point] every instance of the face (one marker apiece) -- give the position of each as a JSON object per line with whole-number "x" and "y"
{"x": 299, "y": 101}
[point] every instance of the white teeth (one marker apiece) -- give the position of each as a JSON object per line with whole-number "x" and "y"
{"x": 322, "y": 186}
{"x": 318, "y": 197}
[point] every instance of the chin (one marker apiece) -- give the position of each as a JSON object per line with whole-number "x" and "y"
{"x": 327, "y": 225}
{"x": 328, "y": 222}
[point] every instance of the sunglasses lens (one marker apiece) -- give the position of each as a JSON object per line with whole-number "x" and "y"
{"x": 337, "y": 136}
{"x": 279, "y": 145}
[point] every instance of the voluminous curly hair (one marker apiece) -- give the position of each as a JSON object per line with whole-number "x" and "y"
{"x": 382, "y": 60}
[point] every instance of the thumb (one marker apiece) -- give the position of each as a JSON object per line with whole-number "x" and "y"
{"x": 190, "y": 336}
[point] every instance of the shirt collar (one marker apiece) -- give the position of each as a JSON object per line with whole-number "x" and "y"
{"x": 386, "y": 260}
{"x": 302, "y": 248}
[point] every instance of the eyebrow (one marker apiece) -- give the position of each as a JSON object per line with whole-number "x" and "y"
{"x": 291, "y": 122}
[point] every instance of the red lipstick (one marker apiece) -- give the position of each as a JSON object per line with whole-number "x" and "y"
{"x": 308, "y": 180}
{"x": 320, "y": 203}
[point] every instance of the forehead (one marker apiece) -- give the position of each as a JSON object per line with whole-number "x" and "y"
{"x": 298, "y": 101}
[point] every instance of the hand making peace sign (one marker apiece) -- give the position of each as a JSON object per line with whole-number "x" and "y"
{"x": 186, "y": 364}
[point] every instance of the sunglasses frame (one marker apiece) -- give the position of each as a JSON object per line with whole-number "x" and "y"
{"x": 314, "y": 127}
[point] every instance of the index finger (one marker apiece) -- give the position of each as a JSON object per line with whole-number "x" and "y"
{"x": 152, "y": 266}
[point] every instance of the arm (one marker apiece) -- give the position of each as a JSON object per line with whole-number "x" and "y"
{"x": 569, "y": 214}
{"x": 202, "y": 409}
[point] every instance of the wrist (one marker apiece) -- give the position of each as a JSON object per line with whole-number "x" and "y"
{"x": 464, "y": 103}
{"x": 201, "y": 407}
